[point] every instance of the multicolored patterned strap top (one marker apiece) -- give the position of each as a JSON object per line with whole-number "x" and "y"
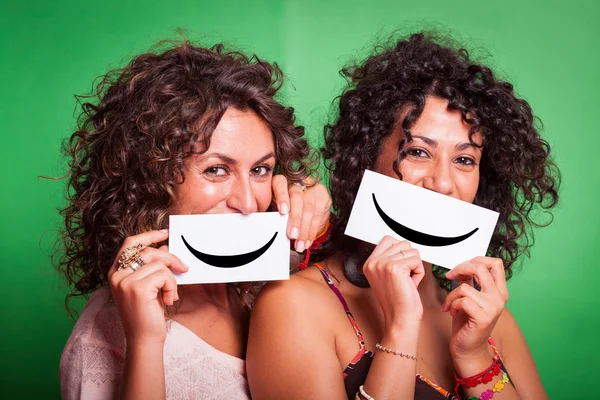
{"x": 355, "y": 374}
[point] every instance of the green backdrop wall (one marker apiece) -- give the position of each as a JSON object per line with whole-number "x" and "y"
{"x": 52, "y": 50}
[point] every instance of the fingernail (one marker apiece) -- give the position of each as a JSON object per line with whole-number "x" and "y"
{"x": 284, "y": 208}
{"x": 164, "y": 231}
{"x": 308, "y": 243}
{"x": 294, "y": 233}
{"x": 300, "y": 246}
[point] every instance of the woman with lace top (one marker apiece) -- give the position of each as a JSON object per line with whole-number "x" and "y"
{"x": 183, "y": 130}
{"x": 376, "y": 322}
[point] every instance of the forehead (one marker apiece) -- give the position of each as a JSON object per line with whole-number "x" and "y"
{"x": 242, "y": 127}
{"x": 438, "y": 122}
{"x": 240, "y": 133}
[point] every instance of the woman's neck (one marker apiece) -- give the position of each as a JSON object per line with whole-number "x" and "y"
{"x": 217, "y": 294}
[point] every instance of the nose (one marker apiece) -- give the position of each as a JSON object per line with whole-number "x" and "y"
{"x": 440, "y": 179}
{"x": 242, "y": 198}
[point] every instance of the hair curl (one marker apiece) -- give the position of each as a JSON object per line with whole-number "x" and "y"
{"x": 134, "y": 133}
{"x": 516, "y": 173}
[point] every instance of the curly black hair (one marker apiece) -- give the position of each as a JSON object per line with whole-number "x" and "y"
{"x": 516, "y": 172}
{"x": 135, "y": 132}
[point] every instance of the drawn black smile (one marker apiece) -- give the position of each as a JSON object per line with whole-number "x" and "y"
{"x": 230, "y": 261}
{"x": 419, "y": 237}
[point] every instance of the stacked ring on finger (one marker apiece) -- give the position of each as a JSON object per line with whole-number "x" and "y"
{"x": 130, "y": 258}
{"x": 136, "y": 264}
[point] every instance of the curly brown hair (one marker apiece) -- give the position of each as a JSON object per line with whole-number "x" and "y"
{"x": 134, "y": 133}
{"x": 516, "y": 173}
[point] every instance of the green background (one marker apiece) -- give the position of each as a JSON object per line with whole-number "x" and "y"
{"x": 51, "y": 50}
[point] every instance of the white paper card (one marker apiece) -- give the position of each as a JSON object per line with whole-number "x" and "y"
{"x": 220, "y": 248}
{"x": 446, "y": 231}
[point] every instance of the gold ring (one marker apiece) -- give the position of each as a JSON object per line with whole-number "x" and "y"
{"x": 130, "y": 258}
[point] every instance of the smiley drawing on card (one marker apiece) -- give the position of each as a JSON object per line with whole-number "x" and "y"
{"x": 445, "y": 230}
{"x": 229, "y": 261}
{"x": 222, "y": 248}
{"x": 419, "y": 237}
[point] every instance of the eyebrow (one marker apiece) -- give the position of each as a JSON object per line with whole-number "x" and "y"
{"x": 427, "y": 140}
{"x": 231, "y": 161}
{"x": 465, "y": 145}
{"x": 459, "y": 146}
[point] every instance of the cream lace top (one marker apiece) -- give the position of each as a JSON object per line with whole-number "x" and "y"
{"x": 92, "y": 361}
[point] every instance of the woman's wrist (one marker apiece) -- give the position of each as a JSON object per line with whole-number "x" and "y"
{"x": 405, "y": 329}
{"x": 143, "y": 373}
{"x": 407, "y": 321}
{"x": 140, "y": 344}
{"x": 472, "y": 363}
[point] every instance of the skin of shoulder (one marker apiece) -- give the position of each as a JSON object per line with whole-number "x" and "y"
{"x": 517, "y": 358}
{"x": 279, "y": 364}
{"x": 302, "y": 295}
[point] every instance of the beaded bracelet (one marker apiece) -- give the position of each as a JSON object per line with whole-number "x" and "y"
{"x": 364, "y": 394}
{"x": 489, "y": 393}
{"x": 397, "y": 353}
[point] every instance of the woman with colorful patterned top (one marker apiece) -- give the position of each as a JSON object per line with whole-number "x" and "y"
{"x": 376, "y": 322}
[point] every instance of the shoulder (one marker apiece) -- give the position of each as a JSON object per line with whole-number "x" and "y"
{"x": 291, "y": 326}
{"x": 305, "y": 300}
{"x": 303, "y": 289}
{"x": 303, "y": 280}
{"x": 94, "y": 353}
{"x": 99, "y": 322}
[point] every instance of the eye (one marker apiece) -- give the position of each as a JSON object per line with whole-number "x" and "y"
{"x": 216, "y": 170}
{"x": 417, "y": 152}
{"x": 261, "y": 170}
{"x": 466, "y": 161}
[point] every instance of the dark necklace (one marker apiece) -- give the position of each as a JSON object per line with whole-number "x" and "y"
{"x": 351, "y": 263}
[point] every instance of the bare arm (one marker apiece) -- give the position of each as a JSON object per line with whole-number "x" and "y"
{"x": 393, "y": 376}
{"x": 143, "y": 373}
{"x": 140, "y": 294}
{"x": 518, "y": 360}
{"x": 525, "y": 382}
{"x": 292, "y": 341}
{"x": 291, "y": 350}
{"x": 476, "y": 314}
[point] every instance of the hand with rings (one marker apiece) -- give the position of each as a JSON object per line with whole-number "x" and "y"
{"x": 130, "y": 258}
{"x": 142, "y": 282}
{"x": 394, "y": 271}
